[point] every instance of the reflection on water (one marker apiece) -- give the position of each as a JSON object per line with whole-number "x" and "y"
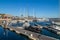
{"x": 41, "y": 23}
{"x": 16, "y": 24}
{"x": 8, "y": 35}
{"x": 48, "y": 33}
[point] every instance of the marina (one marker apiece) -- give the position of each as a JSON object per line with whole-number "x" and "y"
{"x": 29, "y": 20}
{"x": 21, "y": 30}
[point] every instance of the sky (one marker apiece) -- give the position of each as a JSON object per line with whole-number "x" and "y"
{"x": 38, "y": 8}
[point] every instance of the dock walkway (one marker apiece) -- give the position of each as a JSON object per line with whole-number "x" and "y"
{"x": 32, "y": 35}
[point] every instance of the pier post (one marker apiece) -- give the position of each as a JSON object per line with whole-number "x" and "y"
{"x": 31, "y": 35}
{"x": 5, "y": 23}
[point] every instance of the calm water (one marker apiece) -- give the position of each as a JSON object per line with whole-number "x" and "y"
{"x": 48, "y": 33}
{"x": 8, "y": 35}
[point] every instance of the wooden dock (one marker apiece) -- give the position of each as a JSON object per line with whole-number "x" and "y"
{"x": 31, "y": 35}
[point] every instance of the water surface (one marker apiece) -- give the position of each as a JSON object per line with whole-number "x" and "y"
{"x": 8, "y": 35}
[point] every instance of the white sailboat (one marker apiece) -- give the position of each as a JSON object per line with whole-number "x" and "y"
{"x": 34, "y": 15}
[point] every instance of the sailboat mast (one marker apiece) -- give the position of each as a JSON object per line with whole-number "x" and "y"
{"x": 27, "y": 12}
{"x": 33, "y": 13}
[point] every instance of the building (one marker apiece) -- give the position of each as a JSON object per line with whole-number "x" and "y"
{"x": 5, "y": 16}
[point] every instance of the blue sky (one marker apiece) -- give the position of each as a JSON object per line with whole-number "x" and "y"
{"x": 42, "y": 8}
